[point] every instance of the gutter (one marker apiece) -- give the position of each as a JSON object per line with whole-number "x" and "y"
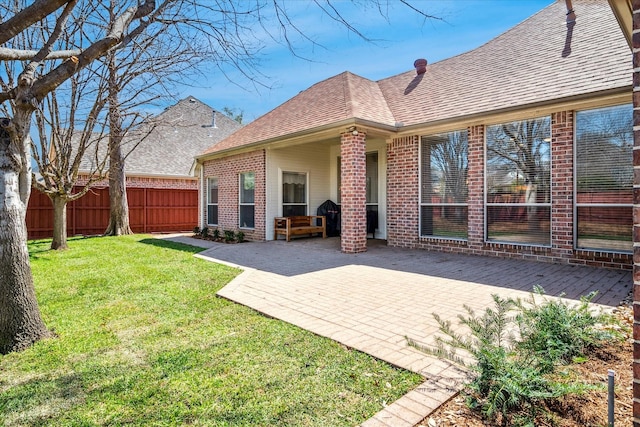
{"x": 539, "y": 105}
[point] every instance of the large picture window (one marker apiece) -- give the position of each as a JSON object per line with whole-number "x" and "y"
{"x": 294, "y": 193}
{"x": 212, "y": 201}
{"x": 518, "y": 182}
{"x": 247, "y": 199}
{"x": 444, "y": 190}
{"x": 604, "y": 178}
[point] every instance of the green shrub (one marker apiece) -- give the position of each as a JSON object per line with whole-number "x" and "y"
{"x": 196, "y": 230}
{"x": 204, "y": 232}
{"x": 216, "y": 234}
{"x": 556, "y": 331}
{"x": 240, "y": 236}
{"x": 510, "y": 381}
{"x": 229, "y": 235}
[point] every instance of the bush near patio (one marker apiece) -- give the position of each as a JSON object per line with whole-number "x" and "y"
{"x": 515, "y": 350}
{"x": 143, "y": 340}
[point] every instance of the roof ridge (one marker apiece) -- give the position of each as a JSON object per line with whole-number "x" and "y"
{"x": 349, "y": 91}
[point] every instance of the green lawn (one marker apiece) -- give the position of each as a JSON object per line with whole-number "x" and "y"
{"x": 143, "y": 340}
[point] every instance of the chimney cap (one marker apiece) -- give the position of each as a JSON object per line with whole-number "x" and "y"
{"x": 420, "y": 65}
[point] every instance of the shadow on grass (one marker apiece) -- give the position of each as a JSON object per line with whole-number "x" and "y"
{"x": 39, "y": 246}
{"x": 40, "y": 400}
{"x": 168, "y": 244}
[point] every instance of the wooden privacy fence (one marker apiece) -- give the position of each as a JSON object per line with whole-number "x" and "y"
{"x": 150, "y": 210}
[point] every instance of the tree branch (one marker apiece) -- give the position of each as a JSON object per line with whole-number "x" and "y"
{"x": 38, "y": 10}
{"x": 57, "y": 76}
{"x": 7, "y": 54}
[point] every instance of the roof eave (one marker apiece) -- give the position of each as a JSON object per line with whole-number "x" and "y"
{"x": 623, "y": 11}
{"x": 313, "y": 133}
{"x": 609, "y": 96}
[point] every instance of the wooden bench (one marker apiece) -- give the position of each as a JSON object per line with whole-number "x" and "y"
{"x": 299, "y": 225}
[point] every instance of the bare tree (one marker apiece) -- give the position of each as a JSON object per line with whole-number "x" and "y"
{"x": 20, "y": 320}
{"x": 227, "y": 29}
{"x": 64, "y": 149}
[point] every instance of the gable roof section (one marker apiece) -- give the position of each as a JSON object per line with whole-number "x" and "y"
{"x": 171, "y": 139}
{"x": 342, "y": 97}
{"x": 542, "y": 59}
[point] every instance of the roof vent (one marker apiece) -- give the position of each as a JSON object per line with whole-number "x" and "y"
{"x": 213, "y": 120}
{"x": 421, "y": 66}
{"x": 192, "y": 100}
{"x": 571, "y": 14}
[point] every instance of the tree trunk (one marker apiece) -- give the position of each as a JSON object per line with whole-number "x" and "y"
{"x": 118, "y": 205}
{"x": 59, "y": 241}
{"x": 20, "y": 322}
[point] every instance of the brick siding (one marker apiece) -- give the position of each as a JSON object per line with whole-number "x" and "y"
{"x": 403, "y": 203}
{"x": 403, "y": 192}
{"x": 353, "y": 192}
{"x": 228, "y": 170}
{"x": 635, "y": 41}
{"x": 151, "y": 182}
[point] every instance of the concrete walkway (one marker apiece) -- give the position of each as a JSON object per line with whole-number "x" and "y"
{"x": 374, "y": 300}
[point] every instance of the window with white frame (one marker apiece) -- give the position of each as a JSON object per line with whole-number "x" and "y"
{"x": 518, "y": 182}
{"x": 294, "y": 193}
{"x": 247, "y": 200}
{"x": 212, "y": 201}
{"x": 444, "y": 190}
{"x": 604, "y": 179}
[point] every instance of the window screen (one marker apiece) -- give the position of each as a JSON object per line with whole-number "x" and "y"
{"x": 604, "y": 178}
{"x": 443, "y": 170}
{"x": 212, "y": 201}
{"x": 294, "y": 193}
{"x": 518, "y": 182}
{"x": 247, "y": 200}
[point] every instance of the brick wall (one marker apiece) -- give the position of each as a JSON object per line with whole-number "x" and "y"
{"x": 151, "y": 182}
{"x": 228, "y": 171}
{"x": 353, "y": 237}
{"x": 475, "y": 199}
{"x": 562, "y": 184}
{"x": 403, "y": 191}
{"x": 635, "y": 41}
{"x": 403, "y": 203}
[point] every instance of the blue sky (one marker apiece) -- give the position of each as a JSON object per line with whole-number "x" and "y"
{"x": 404, "y": 37}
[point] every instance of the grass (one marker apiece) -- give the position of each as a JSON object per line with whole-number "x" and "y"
{"x": 143, "y": 340}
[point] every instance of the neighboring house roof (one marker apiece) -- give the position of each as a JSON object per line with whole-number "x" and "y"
{"x": 540, "y": 60}
{"x": 173, "y": 138}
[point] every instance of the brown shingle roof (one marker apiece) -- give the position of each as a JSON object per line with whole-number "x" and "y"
{"x": 338, "y": 98}
{"x": 539, "y": 60}
{"x": 177, "y": 135}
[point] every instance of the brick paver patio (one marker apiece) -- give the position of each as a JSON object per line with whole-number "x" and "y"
{"x": 373, "y": 300}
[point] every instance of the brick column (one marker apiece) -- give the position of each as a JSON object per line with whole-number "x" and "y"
{"x": 475, "y": 177}
{"x": 403, "y": 190}
{"x": 562, "y": 183}
{"x": 353, "y": 233}
{"x": 635, "y": 41}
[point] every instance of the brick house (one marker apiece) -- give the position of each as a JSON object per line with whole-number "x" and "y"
{"x": 161, "y": 191}
{"x": 519, "y": 148}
